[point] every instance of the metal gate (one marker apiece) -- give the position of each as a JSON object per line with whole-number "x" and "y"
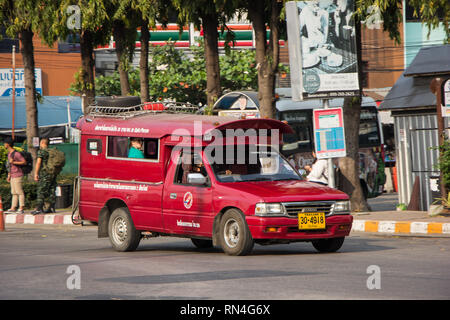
{"x": 416, "y": 138}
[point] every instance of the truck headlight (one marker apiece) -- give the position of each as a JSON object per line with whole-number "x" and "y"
{"x": 341, "y": 207}
{"x": 267, "y": 209}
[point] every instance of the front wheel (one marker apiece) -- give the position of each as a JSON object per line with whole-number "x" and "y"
{"x": 235, "y": 236}
{"x": 122, "y": 233}
{"x": 328, "y": 245}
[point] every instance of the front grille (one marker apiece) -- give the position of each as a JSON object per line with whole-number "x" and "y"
{"x": 294, "y": 208}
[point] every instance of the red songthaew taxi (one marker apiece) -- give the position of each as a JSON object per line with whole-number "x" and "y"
{"x": 217, "y": 180}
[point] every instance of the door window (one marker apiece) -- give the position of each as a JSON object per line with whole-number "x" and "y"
{"x": 189, "y": 163}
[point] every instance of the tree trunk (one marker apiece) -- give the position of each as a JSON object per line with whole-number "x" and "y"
{"x": 213, "y": 89}
{"x": 27, "y": 50}
{"x": 267, "y": 55}
{"x": 122, "y": 57}
{"x": 87, "y": 67}
{"x": 143, "y": 63}
{"x": 349, "y": 166}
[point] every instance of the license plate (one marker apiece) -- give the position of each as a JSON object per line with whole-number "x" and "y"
{"x": 311, "y": 220}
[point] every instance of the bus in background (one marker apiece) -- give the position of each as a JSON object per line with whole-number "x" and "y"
{"x": 300, "y": 144}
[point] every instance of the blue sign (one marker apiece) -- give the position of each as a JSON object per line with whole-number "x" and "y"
{"x": 6, "y": 82}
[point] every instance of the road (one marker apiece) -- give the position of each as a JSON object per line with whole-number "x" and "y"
{"x": 35, "y": 260}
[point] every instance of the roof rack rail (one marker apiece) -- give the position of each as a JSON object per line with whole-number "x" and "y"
{"x": 145, "y": 108}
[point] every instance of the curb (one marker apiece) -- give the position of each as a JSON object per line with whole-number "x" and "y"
{"x": 370, "y": 226}
{"x": 402, "y": 227}
{"x": 39, "y": 219}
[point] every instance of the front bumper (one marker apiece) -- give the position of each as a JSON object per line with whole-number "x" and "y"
{"x": 287, "y": 228}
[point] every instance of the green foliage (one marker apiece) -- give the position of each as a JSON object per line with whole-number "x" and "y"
{"x": 176, "y": 76}
{"x": 3, "y": 159}
{"x": 444, "y": 163}
{"x": 429, "y": 13}
{"x": 29, "y": 188}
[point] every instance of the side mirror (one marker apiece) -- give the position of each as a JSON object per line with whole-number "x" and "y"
{"x": 196, "y": 179}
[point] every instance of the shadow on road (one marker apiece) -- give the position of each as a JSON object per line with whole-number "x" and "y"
{"x": 351, "y": 245}
{"x": 205, "y": 276}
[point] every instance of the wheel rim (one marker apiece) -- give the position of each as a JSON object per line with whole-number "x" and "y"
{"x": 119, "y": 230}
{"x": 231, "y": 233}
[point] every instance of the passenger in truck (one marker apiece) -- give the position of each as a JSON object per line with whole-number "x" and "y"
{"x": 135, "y": 149}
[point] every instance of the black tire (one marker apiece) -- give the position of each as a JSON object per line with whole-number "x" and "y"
{"x": 202, "y": 243}
{"x": 328, "y": 245}
{"x": 122, "y": 233}
{"x": 235, "y": 236}
{"x": 127, "y": 101}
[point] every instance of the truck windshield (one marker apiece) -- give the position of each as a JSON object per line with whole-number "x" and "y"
{"x": 241, "y": 163}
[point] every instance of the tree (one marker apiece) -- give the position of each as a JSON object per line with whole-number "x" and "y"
{"x": 92, "y": 24}
{"x": 391, "y": 13}
{"x": 22, "y": 19}
{"x": 125, "y": 21}
{"x": 208, "y": 14}
{"x": 265, "y": 14}
{"x": 431, "y": 13}
{"x": 177, "y": 76}
{"x": 150, "y": 12}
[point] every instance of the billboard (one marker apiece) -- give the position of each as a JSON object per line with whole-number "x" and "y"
{"x": 322, "y": 49}
{"x": 6, "y": 81}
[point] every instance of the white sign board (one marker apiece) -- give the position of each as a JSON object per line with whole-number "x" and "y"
{"x": 6, "y": 81}
{"x": 329, "y": 133}
{"x": 322, "y": 49}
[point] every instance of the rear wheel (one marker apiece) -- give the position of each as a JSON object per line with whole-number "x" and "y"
{"x": 328, "y": 245}
{"x": 122, "y": 233}
{"x": 202, "y": 243}
{"x": 235, "y": 236}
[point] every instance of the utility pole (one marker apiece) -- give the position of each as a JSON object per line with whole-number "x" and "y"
{"x": 331, "y": 177}
{"x": 13, "y": 89}
{"x": 69, "y": 120}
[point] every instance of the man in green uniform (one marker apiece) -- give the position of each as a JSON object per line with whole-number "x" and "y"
{"x": 46, "y": 182}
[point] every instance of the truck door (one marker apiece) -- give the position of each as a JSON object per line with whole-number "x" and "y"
{"x": 187, "y": 208}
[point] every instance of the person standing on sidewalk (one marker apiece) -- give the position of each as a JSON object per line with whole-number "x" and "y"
{"x": 46, "y": 181}
{"x": 15, "y": 174}
{"x": 318, "y": 172}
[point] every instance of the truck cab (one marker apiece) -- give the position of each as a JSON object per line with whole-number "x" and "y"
{"x": 220, "y": 181}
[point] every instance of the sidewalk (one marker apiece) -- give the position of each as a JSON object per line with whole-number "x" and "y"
{"x": 413, "y": 223}
{"x": 62, "y": 216}
{"x": 401, "y": 223}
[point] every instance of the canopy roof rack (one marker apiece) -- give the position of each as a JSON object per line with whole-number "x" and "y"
{"x": 145, "y": 108}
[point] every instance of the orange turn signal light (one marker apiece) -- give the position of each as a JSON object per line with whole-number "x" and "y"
{"x": 272, "y": 229}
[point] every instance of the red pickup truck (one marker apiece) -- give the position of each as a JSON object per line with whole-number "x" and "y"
{"x": 217, "y": 180}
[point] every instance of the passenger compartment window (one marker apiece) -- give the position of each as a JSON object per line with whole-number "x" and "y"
{"x": 135, "y": 148}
